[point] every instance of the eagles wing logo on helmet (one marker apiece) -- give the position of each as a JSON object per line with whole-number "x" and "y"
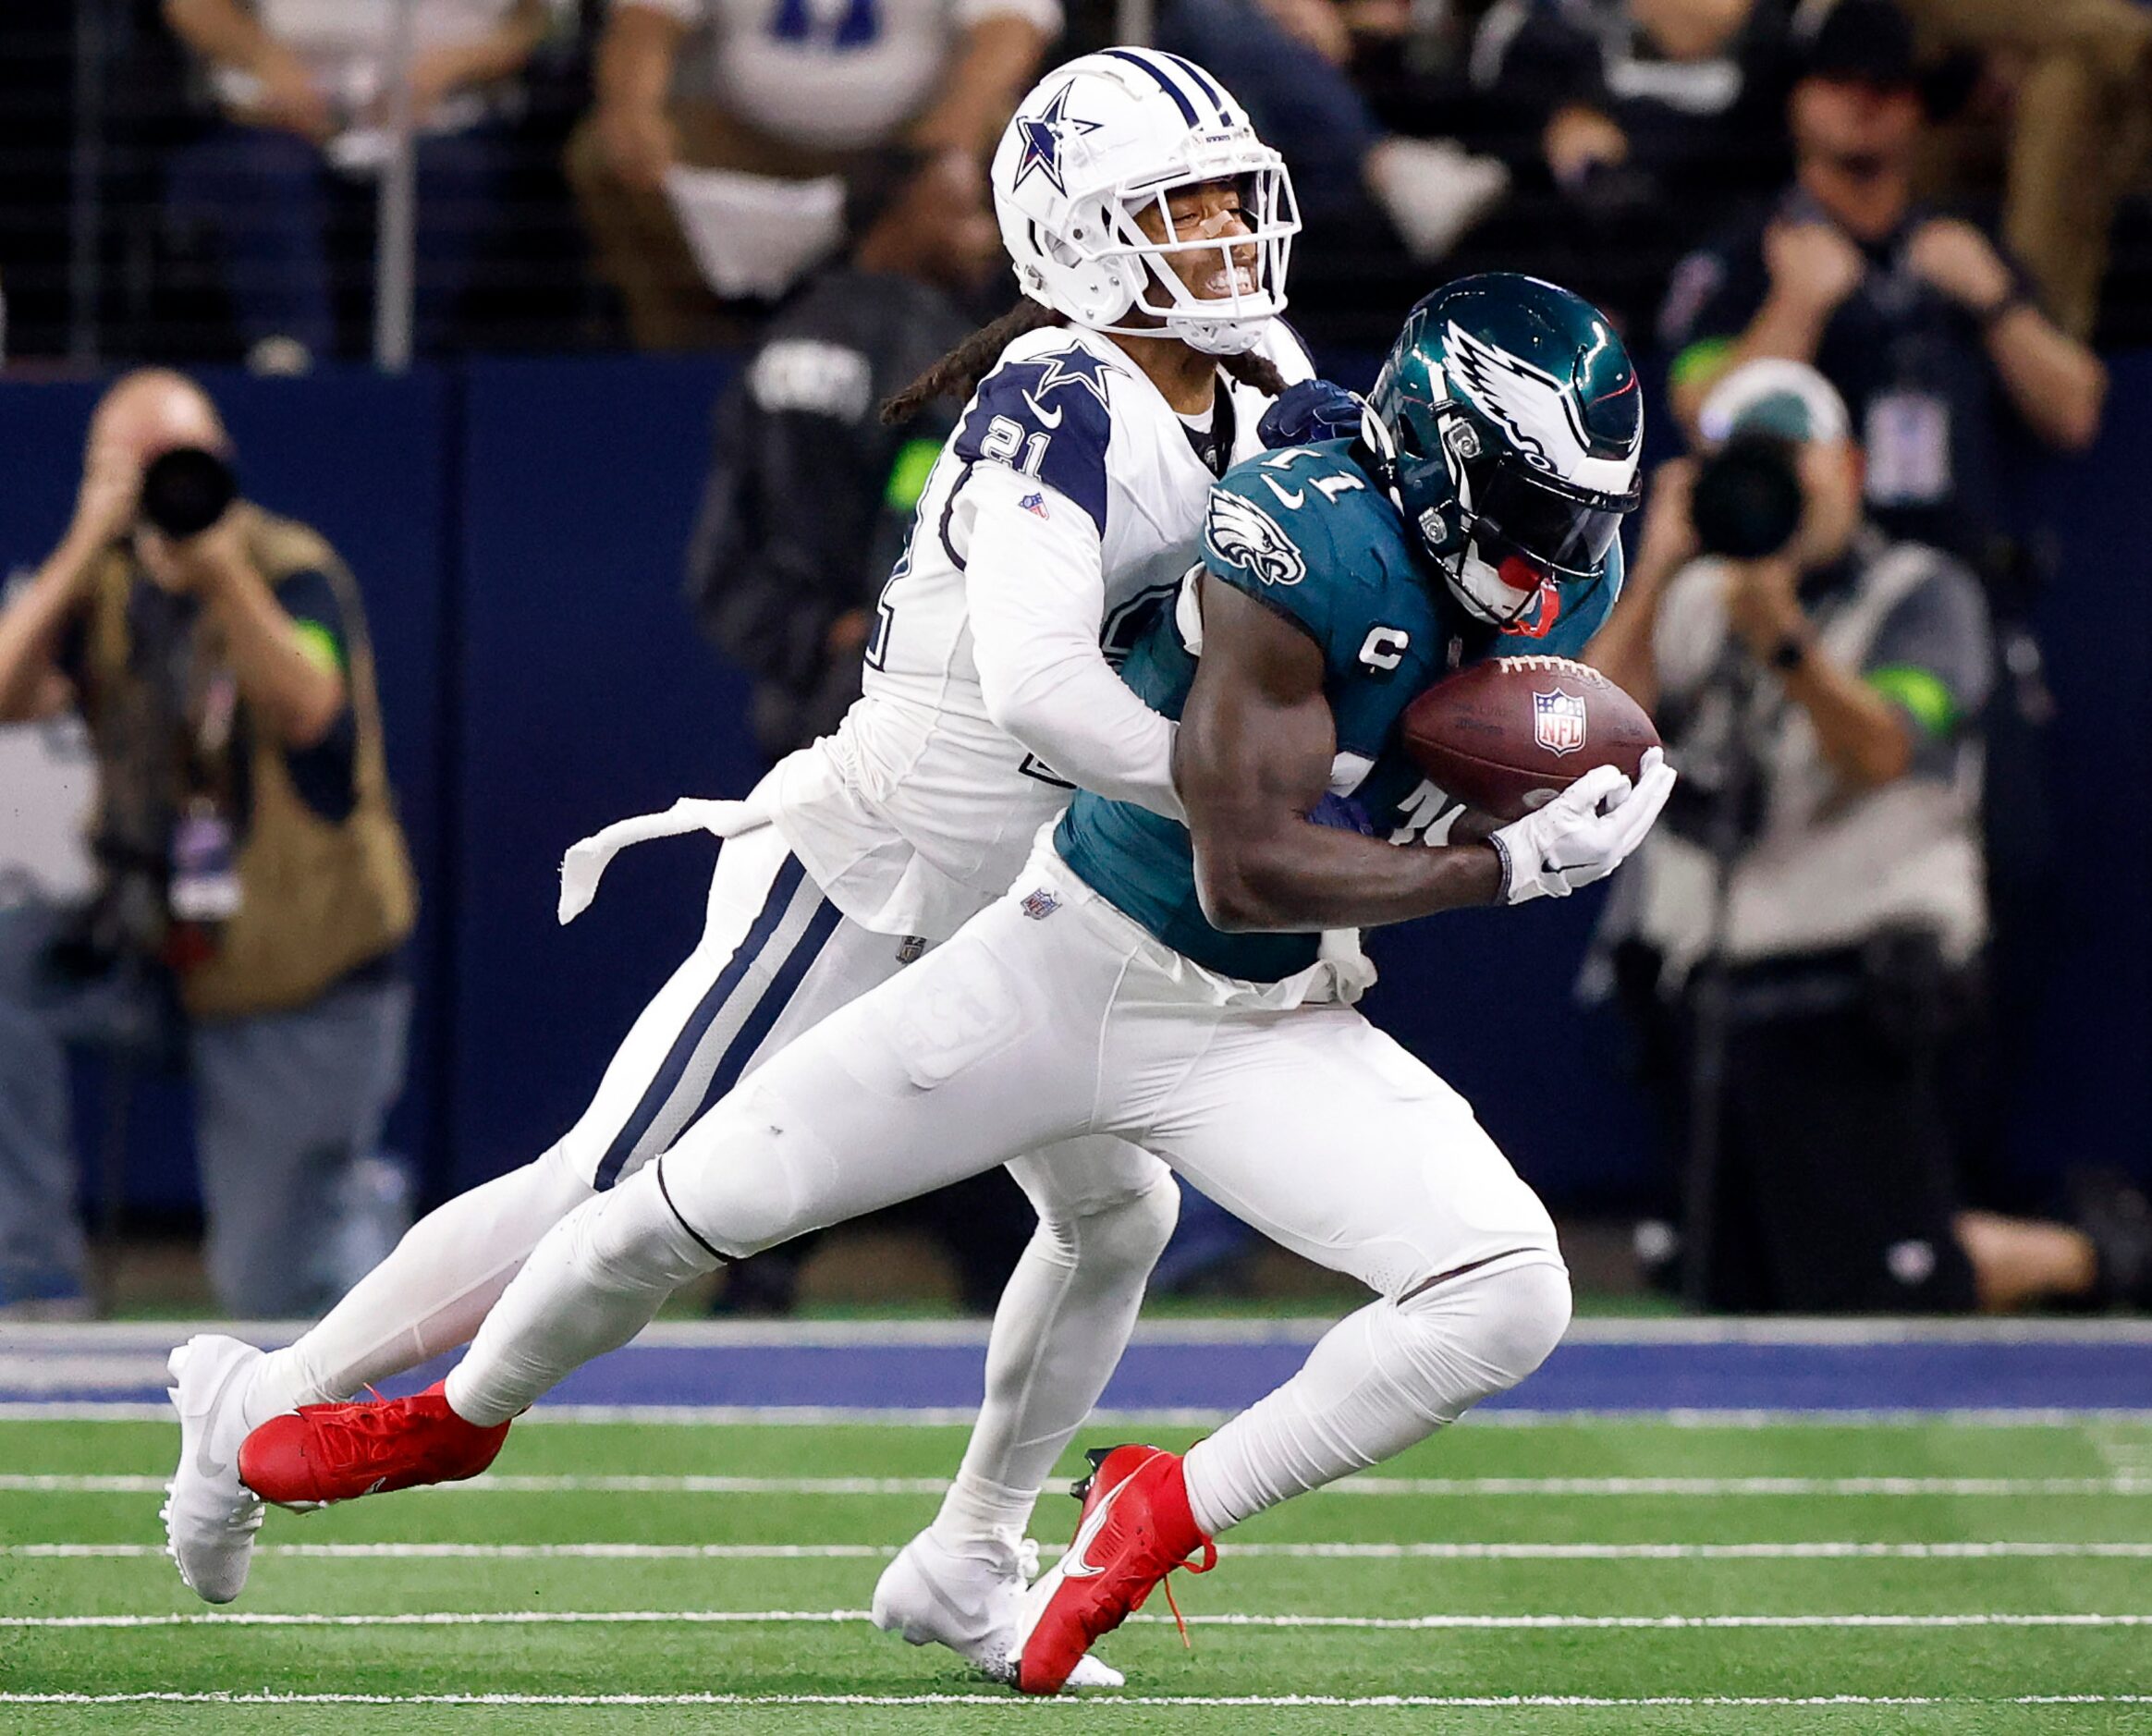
{"x": 1241, "y": 534}
{"x": 1539, "y": 413}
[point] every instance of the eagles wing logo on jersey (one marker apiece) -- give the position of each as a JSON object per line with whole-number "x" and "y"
{"x": 1241, "y": 534}
{"x": 1538, "y": 411}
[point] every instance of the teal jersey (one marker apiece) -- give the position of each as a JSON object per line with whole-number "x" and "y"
{"x": 1310, "y": 536}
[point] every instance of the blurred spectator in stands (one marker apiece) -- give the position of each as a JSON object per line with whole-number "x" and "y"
{"x": 304, "y": 87}
{"x": 251, "y": 868}
{"x": 1929, "y": 327}
{"x": 1635, "y": 129}
{"x": 1804, "y": 928}
{"x": 2078, "y": 74}
{"x": 791, "y": 91}
{"x": 789, "y": 595}
{"x": 1289, "y": 63}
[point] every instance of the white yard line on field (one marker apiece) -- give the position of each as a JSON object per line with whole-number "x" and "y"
{"x": 1462, "y": 1703}
{"x": 60, "y": 1482}
{"x": 1840, "y": 1551}
{"x": 702, "y": 1618}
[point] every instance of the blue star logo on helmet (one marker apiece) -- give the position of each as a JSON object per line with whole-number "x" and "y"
{"x": 1043, "y": 139}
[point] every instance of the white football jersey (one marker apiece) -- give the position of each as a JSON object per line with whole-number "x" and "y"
{"x": 920, "y": 809}
{"x": 840, "y": 75}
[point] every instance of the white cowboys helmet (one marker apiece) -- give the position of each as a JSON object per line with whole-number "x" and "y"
{"x": 1095, "y": 142}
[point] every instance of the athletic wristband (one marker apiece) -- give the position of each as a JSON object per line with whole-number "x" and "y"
{"x": 1508, "y": 866}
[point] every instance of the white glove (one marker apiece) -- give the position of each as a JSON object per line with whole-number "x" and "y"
{"x": 1584, "y": 834}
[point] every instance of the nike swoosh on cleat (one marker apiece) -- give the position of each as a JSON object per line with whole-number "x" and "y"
{"x": 1077, "y": 1563}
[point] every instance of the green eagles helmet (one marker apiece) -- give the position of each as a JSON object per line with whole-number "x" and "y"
{"x": 1509, "y": 420}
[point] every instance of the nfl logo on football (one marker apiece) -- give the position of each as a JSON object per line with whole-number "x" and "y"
{"x": 1558, "y": 721}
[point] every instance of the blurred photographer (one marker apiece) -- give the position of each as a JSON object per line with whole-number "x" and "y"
{"x": 1803, "y": 930}
{"x": 1923, "y": 322}
{"x": 252, "y": 877}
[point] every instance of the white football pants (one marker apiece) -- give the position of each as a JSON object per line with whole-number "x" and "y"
{"x": 776, "y": 958}
{"x": 1052, "y": 1016}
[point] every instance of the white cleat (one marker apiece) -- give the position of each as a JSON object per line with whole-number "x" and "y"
{"x": 970, "y": 1604}
{"x": 210, "y": 1516}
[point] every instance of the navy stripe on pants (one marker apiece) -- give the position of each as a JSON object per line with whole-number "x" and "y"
{"x": 769, "y": 1003}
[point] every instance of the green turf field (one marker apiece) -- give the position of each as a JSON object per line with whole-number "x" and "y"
{"x": 1663, "y": 1526}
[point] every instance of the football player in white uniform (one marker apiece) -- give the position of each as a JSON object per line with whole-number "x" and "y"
{"x": 1168, "y": 980}
{"x": 1150, "y": 229}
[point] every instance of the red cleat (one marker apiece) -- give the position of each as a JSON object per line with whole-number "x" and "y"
{"x": 1135, "y": 1528}
{"x": 336, "y": 1452}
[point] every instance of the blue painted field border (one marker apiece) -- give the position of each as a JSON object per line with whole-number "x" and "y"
{"x": 1202, "y": 1368}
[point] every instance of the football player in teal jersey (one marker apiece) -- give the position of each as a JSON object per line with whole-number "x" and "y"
{"x": 1173, "y": 984}
{"x": 1363, "y": 568}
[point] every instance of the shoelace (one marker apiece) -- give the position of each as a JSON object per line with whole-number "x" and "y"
{"x": 1210, "y": 1560}
{"x": 1027, "y": 1558}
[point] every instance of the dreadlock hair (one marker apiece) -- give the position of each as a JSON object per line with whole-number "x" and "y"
{"x": 958, "y": 374}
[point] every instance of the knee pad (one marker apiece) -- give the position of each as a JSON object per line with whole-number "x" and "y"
{"x": 1484, "y": 1331}
{"x": 746, "y": 1178}
{"x": 1129, "y": 1234}
{"x": 1528, "y": 1310}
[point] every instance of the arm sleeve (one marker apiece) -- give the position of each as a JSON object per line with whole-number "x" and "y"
{"x": 1036, "y": 591}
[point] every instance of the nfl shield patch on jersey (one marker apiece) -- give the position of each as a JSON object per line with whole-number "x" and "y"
{"x": 1558, "y": 721}
{"x": 1039, "y": 904}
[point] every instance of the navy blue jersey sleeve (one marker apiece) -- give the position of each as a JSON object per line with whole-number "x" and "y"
{"x": 1046, "y": 417}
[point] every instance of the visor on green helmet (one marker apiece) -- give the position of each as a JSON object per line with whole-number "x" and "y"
{"x": 1561, "y": 531}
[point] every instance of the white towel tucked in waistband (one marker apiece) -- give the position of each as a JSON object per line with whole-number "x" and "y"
{"x": 584, "y": 865}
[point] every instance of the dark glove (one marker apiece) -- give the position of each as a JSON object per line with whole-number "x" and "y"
{"x": 1314, "y": 409}
{"x": 1341, "y": 814}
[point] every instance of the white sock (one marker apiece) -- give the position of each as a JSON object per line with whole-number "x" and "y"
{"x": 1063, "y": 1321}
{"x": 595, "y": 1281}
{"x": 428, "y": 1296}
{"x": 1379, "y": 1381}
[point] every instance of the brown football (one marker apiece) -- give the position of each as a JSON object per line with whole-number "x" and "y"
{"x": 1508, "y": 734}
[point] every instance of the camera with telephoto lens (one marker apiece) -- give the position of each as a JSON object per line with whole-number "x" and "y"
{"x": 186, "y": 490}
{"x": 1747, "y": 500}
